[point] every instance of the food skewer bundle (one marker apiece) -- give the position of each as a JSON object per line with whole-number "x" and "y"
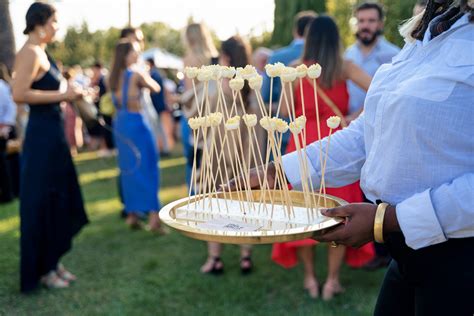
{"x": 218, "y": 128}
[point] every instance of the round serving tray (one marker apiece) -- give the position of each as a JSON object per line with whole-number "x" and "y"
{"x": 225, "y": 219}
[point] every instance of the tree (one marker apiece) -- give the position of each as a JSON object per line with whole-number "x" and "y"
{"x": 285, "y": 11}
{"x": 397, "y": 12}
{"x": 82, "y": 47}
{"x": 7, "y": 39}
{"x": 341, "y": 10}
{"x": 159, "y": 34}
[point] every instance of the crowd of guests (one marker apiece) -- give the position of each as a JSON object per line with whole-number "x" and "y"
{"x": 135, "y": 121}
{"x": 133, "y": 98}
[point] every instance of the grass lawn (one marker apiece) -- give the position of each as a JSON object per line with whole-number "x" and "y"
{"x": 125, "y": 272}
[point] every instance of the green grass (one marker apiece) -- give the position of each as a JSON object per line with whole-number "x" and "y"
{"x": 125, "y": 272}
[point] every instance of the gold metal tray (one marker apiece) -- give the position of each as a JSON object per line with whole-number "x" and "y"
{"x": 193, "y": 217}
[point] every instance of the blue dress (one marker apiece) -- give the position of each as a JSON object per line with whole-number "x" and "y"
{"x": 137, "y": 156}
{"x": 51, "y": 206}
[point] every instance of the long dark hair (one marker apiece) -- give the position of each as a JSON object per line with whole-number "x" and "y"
{"x": 119, "y": 63}
{"x": 436, "y": 8}
{"x": 239, "y": 52}
{"x": 38, "y": 14}
{"x": 323, "y": 45}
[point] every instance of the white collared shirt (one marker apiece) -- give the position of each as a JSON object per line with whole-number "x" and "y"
{"x": 413, "y": 146}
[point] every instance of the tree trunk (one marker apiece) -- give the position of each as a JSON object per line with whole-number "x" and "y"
{"x": 7, "y": 39}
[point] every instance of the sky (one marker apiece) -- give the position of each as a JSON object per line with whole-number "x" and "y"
{"x": 225, "y": 17}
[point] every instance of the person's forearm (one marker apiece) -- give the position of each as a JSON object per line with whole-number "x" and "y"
{"x": 39, "y": 97}
{"x": 390, "y": 223}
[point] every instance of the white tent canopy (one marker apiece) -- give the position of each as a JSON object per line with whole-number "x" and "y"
{"x": 163, "y": 59}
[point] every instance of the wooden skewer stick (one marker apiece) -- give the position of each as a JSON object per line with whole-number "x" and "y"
{"x": 271, "y": 95}
{"x": 247, "y": 167}
{"x": 279, "y": 173}
{"x": 318, "y": 124}
{"x": 224, "y": 111}
{"x": 263, "y": 112}
{"x": 285, "y": 185}
{"x": 239, "y": 194}
{"x": 204, "y": 133}
{"x": 242, "y": 172}
{"x": 212, "y": 179}
{"x": 292, "y": 118}
{"x": 324, "y": 168}
{"x": 219, "y": 154}
{"x": 193, "y": 171}
{"x": 303, "y": 173}
{"x": 303, "y": 146}
{"x": 251, "y": 131}
{"x": 195, "y": 140}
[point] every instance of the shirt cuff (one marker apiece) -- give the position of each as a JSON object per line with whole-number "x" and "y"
{"x": 418, "y": 221}
{"x": 291, "y": 167}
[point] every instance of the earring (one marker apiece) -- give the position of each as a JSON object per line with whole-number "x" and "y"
{"x": 42, "y": 34}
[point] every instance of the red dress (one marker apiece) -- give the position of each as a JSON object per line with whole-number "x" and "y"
{"x": 285, "y": 253}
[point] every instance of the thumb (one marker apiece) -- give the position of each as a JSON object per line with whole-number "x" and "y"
{"x": 230, "y": 186}
{"x": 341, "y": 211}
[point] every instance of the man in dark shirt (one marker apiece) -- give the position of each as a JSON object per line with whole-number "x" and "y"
{"x": 159, "y": 102}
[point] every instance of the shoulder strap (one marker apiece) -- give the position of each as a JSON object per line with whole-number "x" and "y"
{"x": 333, "y": 106}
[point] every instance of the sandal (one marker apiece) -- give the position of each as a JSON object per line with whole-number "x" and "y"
{"x": 217, "y": 266}
{"x": 248, "y": 265}
{"x": 65, "y": 274}
{"x": 158, "y": 230}
{"x": 331, "y": 289}
{"x": 53, "y": 281}
{"x": 312, "y": 288}
{"x": 133, "y": 222}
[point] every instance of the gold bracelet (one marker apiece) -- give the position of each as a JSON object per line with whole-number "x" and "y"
{"x": 378, "y": 222}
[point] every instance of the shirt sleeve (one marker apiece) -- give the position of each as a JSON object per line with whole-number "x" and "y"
{"x": 7, "y": 106}
{"x": 345, "y": 158}
{"x": 435, "y": 215}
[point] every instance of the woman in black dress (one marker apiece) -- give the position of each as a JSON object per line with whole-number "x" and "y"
{"x": 51, "y": 206}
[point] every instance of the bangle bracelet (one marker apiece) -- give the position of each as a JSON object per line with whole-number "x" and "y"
{"x": 378, "y": 222}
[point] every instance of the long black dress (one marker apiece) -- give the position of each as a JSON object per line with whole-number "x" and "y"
{"x": 51, "y": 206}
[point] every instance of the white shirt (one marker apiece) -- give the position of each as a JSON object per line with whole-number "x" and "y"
{"x": 7, "y": 106}
{"x": 382, "y": 53}
{"x": 413, "y": 146}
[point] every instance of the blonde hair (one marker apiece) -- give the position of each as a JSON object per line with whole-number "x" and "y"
{"x": 407, "y": 28}
{"x": 198, "y": 42}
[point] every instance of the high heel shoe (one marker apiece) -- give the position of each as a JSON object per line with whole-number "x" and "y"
{"x": 65, "y": 274}
{"x": 53, "y": 281}
{"x": 133, "y": 221}
{"x": 312, "y": 287}
{"x": 330, "y": 289}
{"x": 217, "y": 267}
{"x": 246, "y": 265}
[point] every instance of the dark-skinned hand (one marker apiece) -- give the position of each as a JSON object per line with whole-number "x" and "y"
{"x": 233, "y": 184}
{"x": 358, "y": 226}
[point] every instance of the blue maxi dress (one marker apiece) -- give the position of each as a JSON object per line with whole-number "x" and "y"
{"x": 137, "y": 156}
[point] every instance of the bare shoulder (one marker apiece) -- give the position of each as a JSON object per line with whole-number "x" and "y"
{"x": 139, "y": 74}
{"x": 29, "y": 52}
